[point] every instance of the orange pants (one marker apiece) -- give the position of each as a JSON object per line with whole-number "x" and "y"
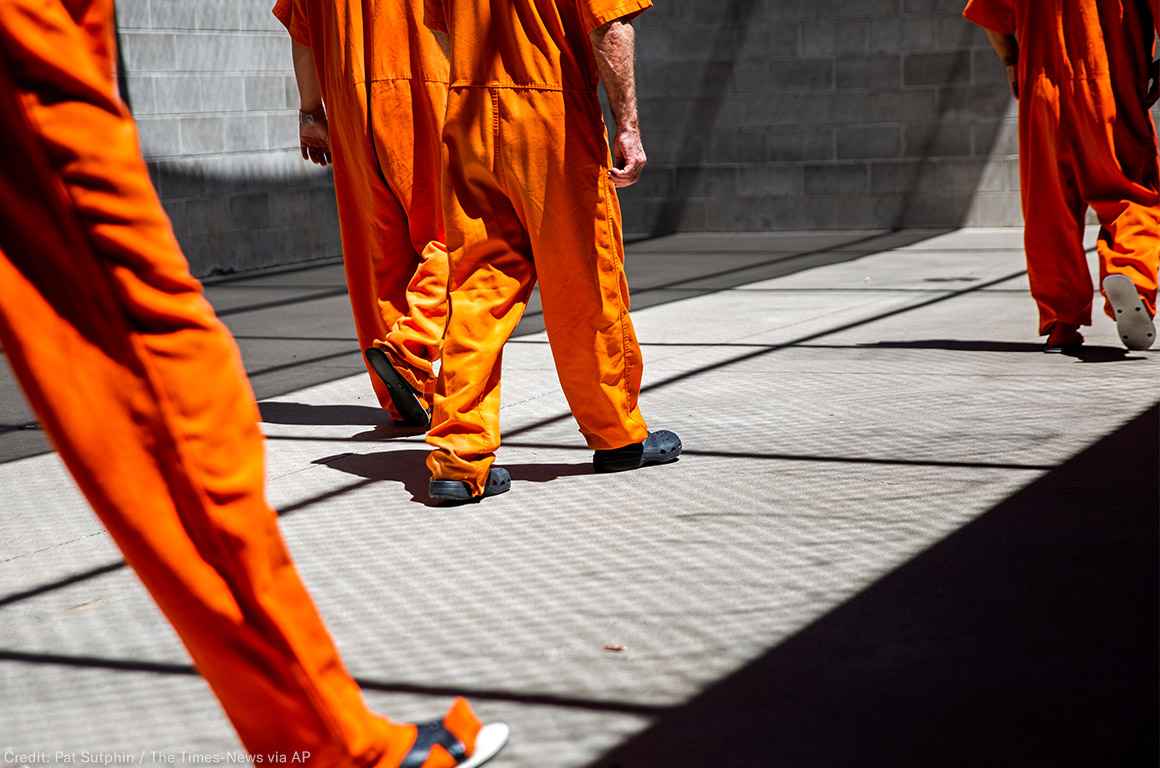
{"x": 536, "y": 201}
{"x": 1081, "y": 146}
{"x": 387, "y": 171}
{"x": 143, "y": 393}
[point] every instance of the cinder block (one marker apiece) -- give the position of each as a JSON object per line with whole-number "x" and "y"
{"x": 844, "y": 178}
{"x": 282, "y": 130}
{"x": 831, "y": 38}
{"x": 770, "y": 179}
{"x": 941, "y": 138}
{"x": 860, "y": 142}
{"x": 706, "y": 181}
{"x": 201, "y": 135}
{"x": 246, "y": 133}
{"x": 266, "y": 92}
{"x": 880, "y": 72}
{"x": 160, "y": 136}
{"x": 802, "y": 75}
{"x": 142, "y": 96}
{"x": 937, "y": 68}
{"x": 148, "y": 52}
{"x": 986, "y": 67}
{"x": 867, "y": 9}
{"x": 133, "y": 14}
{"x": 996, "y": 138}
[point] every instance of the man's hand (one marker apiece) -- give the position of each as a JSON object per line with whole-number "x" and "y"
{"x": 614, "y": 45}
{"x": 630, "y": 158}
{"x": 314, "y": 137}
{"x": 1152, "y": 94}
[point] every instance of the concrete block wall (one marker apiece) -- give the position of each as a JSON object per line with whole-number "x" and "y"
{"x": 211, "y": 85}
{"x": 804, "y": 114}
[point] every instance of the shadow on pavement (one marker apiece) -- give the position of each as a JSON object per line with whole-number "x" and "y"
{"x": 409, "y": 467}
{"x": 318, "y": 415}
{"x": 1027, "y": 637}
{"x": 1086, "y": 354}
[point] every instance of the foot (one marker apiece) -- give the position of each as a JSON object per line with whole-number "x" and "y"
{"x": 1133, "y": 323}
{"x": 458, "y": 492}
{"x": 459, "y": 740}
{"x": 1063, "y": 338}
{"x": 660, "y": 448}
{"x": 403, "y": 395}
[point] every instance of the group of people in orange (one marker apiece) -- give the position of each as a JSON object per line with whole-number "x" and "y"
{"x": 470, "y": 160}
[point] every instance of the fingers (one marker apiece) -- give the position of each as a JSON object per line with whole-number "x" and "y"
{"x": 628, "y": 175}
{"x": 315, "y": 151}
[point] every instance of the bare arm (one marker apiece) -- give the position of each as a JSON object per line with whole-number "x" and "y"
{"x": 1007, "y": 48}
{"x": 614, "y": 46}
{"x": 313, "y": 131}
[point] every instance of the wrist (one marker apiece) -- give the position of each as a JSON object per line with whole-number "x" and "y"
{"x": 310, "y": 116}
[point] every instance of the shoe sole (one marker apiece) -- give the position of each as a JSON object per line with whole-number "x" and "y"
{"x": 489, "y": 742}
{"x": 457, "y": 492}
{"x": 404, "y": 398}
{"x": 1135, "y": 327}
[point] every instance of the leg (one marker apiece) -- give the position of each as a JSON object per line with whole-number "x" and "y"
{"x": 1053, "y": 213}
{"x": 572, "y": 208}
{"x": 163, "y": 437}
{"x": 407, "y": 126}
{"x": 377, "y": 253}
{"x": 491, "y": 278}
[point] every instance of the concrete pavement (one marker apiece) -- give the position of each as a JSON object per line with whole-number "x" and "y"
{"x": 900, "y": 533}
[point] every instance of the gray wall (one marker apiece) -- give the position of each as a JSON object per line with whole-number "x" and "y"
{"x": 211, "y": 85}
{"x": 758, "y": 114}
{"x": 774, "y": 114}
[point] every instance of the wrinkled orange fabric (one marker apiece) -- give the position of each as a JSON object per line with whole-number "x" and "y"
{"x": 142, "y": 391}
{"x": 1085, "y": 139}
{"x": 384, "y": 83}
{"x": 528, "y": 195}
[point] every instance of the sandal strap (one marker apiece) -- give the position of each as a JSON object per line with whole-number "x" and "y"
{"x": 431, "y": 734}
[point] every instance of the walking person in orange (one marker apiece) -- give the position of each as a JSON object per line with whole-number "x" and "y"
{"x": 142, "y": 392}
{"x": 373, "y": 86}
{"x": 531, "y": 192}
{"x": 1081, "y": 71}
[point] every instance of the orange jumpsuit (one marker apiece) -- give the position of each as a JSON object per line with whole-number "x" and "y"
{"x": 143, "y": 393}
{"x": 528, "y": 193}
{"x": 384, "y": 83}
{"x": 1085, "y": 138}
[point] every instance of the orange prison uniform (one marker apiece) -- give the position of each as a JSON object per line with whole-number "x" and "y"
{"x": 1085, "y": 138}
{"x": 142, "y": 391}
{"x": 528, "y": 194}
{"x": 384, "y": 83}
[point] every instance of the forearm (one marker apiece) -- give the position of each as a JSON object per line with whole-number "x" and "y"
{"x": 614, "y": 45}
{"x": 1006, "y": 47}
{"x": 309, "y": 89}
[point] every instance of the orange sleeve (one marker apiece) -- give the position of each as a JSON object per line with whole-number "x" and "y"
{"x": 434, "y": 16}
{"x": 995, "y": 15}
{"x": 293, "y": 17}
{"x": 597, "y": 13}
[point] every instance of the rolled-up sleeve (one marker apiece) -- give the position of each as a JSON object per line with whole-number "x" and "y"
{"x": 996, "y": 15}
{"x": 597, "y": 13}
{"x": 294, "y": 19}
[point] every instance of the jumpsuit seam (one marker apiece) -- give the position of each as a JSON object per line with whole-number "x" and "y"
{"x": 464, "y": 85}
{"x": 167, "y": 433}
{"x": 606, "y": 197}
{"x": 401, "y": 78}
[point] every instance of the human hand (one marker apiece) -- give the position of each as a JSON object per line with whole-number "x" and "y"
{"x": 630, "y": 158}
{"x": 314, "y": 137}
{"x": 1152, "y": 95}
